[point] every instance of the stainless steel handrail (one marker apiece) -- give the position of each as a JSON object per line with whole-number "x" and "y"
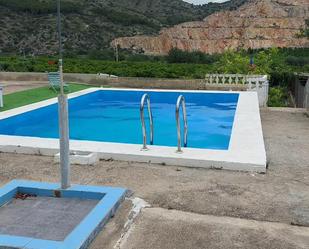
{"x": 143, "y": 100}
{"x": 181, "y": 100}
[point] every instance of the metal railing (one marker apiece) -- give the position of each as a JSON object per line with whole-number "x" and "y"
{"x": 143, "y": 101}
{"x": 181, "y": 101}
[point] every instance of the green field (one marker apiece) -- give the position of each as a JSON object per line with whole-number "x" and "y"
{"x": 177, "y": 64}
{"x": 26, "y": 97}
{"x": 279, "y": 64}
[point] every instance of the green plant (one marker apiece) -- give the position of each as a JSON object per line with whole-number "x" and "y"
{"x": 278, "y": 97}
{"x": 233, "y": 62}
{"x": 176, "y": 55}
{"x": 41, "y": 6}
{"x": 297, "y": 61}
{"x": 281, "y": 79}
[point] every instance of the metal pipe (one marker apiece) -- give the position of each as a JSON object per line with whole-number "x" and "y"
{"x": 60, "y": 45}
{"x": 64, "y": 141}
{"x": 143, "y": 101}
{"x": 63, "y": 116}
{"x": 181, "y": 101}
{"x": 59, "y": 28}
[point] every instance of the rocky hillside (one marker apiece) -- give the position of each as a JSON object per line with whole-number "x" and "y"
{"x": 256, "y": 24}
{"x": 29, "y": 26}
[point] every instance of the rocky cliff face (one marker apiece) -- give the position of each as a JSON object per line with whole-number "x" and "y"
{"x": 257, "y": 24}
{"x": 89, "y": 26}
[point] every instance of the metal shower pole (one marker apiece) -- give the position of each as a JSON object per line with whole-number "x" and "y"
{"x": 63, "y": 116}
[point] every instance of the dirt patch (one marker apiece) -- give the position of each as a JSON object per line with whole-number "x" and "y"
{"x": 15, "y": 86}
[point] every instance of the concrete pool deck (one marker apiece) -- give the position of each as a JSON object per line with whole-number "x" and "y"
{"x": 199, "y": 208}
{"x": 246, "y": 150}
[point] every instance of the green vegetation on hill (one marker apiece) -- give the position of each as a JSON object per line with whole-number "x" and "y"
{"x": 40, "y": 7}
{"x": 29, "y": 26}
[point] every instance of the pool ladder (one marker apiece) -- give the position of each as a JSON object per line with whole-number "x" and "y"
{"x": 180, "y": 103}
{"x": 145, "y": 99}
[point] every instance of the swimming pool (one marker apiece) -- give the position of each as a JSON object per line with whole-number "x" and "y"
{"x": 114, "y": 116}
{"x": 224, "y": 128}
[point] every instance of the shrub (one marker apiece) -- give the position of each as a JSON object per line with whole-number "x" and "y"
{"x": 106, "y": 54}
{"x": 176, "y": 55}
{"x": 125, "y": 18}
{"x": 282, "y": 79}
{"x": 234, "y": 63}
{"x": 4, "y": 66}
{"x": 142, "y": 57}
{"x": 297, "y": 61}
{"x": 278, "y": 97}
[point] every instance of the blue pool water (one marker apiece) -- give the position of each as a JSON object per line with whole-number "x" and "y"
{"x": 113, "y": 116}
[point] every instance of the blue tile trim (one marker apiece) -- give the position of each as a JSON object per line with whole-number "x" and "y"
{"x": 23, "y": 242}
{"x": 80, "y": 238}
{"x": 14, "y": 241}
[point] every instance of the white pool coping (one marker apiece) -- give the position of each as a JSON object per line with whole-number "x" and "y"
{"x": 246, "y": 151}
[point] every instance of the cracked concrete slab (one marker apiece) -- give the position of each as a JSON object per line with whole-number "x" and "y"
{"x": 170, "y": 229}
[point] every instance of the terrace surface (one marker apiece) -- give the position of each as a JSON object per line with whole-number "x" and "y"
{"x": 198, "y": 208}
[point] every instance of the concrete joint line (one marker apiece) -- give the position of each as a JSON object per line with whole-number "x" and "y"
{"x": 138, "y": 205}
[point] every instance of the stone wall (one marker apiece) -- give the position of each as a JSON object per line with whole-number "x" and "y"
{"x": 124, "y": 82}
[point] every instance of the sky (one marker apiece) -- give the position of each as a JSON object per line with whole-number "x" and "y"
{"x": 204, "y": 1}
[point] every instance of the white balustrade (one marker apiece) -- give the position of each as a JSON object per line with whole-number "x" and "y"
{"x": 258, "y": 83}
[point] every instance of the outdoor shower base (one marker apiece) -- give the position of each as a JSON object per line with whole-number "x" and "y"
{"x": 41, "y": 216}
